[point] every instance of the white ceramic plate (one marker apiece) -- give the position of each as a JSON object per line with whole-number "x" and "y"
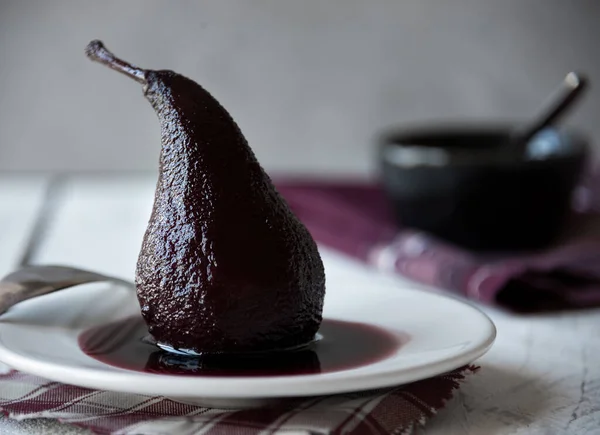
{"x": 39, "y": 336}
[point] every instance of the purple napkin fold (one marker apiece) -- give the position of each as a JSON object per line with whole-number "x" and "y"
{"x": 354, "y": 218}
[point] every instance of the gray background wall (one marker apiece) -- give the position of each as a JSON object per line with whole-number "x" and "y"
{"x": 310, "y": 82}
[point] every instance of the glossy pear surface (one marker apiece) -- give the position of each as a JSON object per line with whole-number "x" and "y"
{"x": 225, "y": 266}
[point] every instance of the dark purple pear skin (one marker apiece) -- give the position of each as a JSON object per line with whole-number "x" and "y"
{"x": 225, "y": 266}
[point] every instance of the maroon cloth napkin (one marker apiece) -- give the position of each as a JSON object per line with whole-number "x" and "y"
{"x": 388, "y": 411}
{"x": 354, "y": 218}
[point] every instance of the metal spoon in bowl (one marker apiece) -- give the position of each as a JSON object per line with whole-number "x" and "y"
{"x": 32, "y": 281}
{"x": 572, "y": 87}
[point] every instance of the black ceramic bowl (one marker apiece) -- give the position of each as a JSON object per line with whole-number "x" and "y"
{"x": 457, "y": 183}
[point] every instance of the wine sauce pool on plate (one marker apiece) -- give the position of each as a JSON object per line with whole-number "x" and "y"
{"x": 343, "y": 346}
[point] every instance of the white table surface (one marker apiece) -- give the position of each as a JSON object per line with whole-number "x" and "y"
{"x": 541, "y": 377}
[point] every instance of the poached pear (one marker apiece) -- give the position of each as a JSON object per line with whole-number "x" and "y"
{"x": 225, "y": 266}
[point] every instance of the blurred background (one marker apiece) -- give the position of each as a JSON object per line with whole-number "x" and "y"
{"x": 310, "y": 82}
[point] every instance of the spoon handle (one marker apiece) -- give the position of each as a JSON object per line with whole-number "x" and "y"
{"x": 32, "y": 281}
{"x": 572, "y": 88}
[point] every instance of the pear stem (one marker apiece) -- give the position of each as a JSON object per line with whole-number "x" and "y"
{"x": 97, "y": 52}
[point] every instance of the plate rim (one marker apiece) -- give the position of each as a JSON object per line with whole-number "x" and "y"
{"x": 126, "y": 381}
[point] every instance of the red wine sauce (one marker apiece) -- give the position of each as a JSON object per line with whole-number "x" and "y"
{"x": 343, "y": 346}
